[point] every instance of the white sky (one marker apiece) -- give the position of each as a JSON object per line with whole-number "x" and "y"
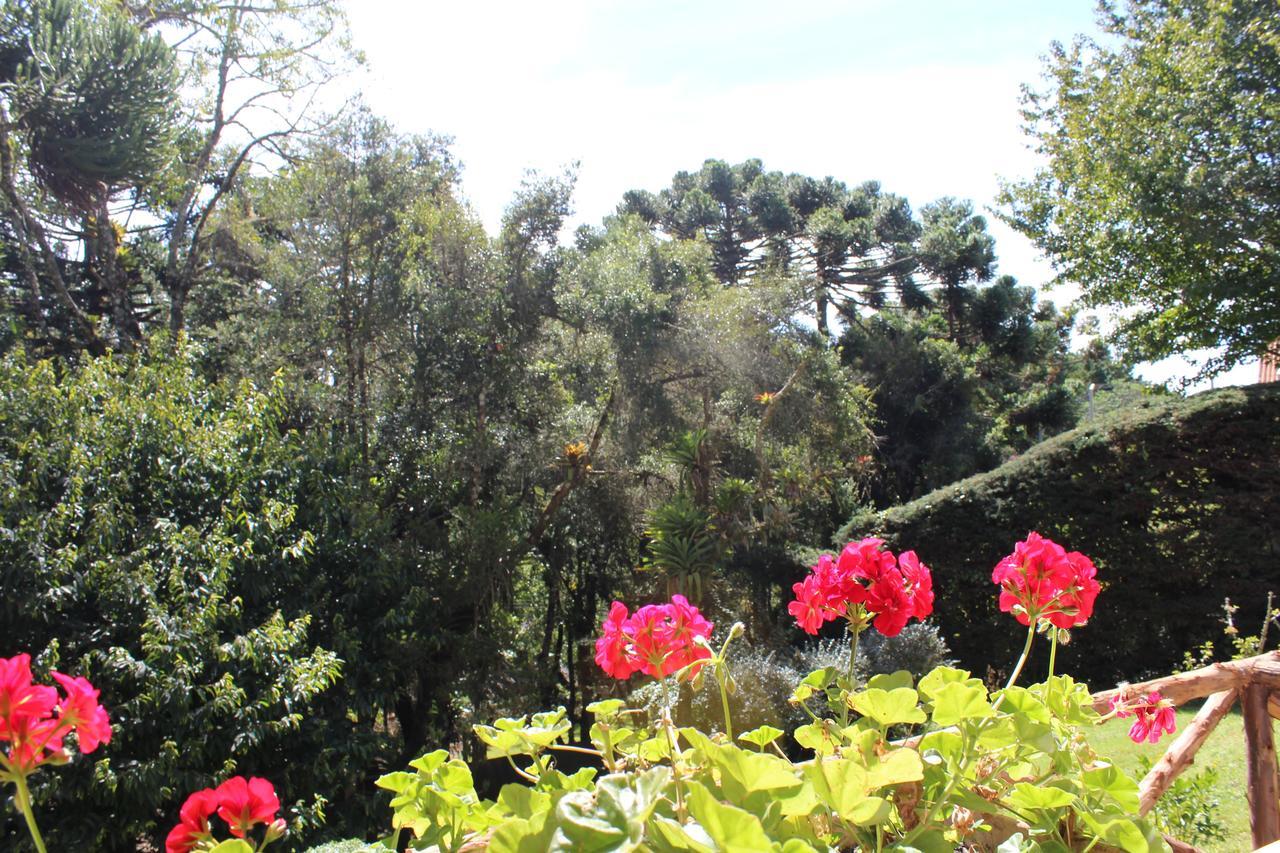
{"x": 921, "y": 96}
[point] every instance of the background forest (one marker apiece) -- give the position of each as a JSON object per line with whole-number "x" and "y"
{"x": 308, "y": 472}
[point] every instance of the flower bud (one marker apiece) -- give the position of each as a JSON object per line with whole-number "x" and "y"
{"x": 276, "y": 830}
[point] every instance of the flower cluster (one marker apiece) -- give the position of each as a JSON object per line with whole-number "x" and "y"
{"x": 242, "y": 803}
{"x": 1041, "y": 581}
{"x": 1155, "y": 716}
{"x": 894, "y": 589}
{"x": 658, "y": 639}
{"x": 35, "y": 718}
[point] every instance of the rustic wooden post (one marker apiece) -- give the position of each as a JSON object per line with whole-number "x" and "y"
{"x": 1183, "y": 750}
{"x": 1260, "y": 756}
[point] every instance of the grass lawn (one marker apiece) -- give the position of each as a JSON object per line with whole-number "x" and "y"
{"x": 1224, "y": 751}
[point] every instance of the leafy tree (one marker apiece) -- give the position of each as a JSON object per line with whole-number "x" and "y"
{"x": 132, "y": 115}
{"x": 952, "y": 402}
{"x": 346, "y": 238}
{"x": 955, "y": 248}
{"x": 1159, "y": 193}
{"x": 251, "y": 73}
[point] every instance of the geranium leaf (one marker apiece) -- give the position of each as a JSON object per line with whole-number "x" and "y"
{"x": 888, "y": 707}
{"x": 732, "y": 829}
{"x": 956, "y": 701}
{"x": 891, "y": 680}
{"x": 895, "y": 768}
{"x": 1039, "y": 798}
{"x": 762, "y": 736}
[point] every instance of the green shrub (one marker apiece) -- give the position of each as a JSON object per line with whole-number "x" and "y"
{"x": 1189, "y": 810}
{"x": 148, "y": 541}
{"x": 918, "y": 649}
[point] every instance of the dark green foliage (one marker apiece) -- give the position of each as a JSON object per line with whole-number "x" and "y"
{"x": 958, "y": 393}
{"x": 1176, "y": 502}
{"x": 150, "y": 543}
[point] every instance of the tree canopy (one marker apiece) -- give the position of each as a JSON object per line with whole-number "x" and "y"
{"x": 1160, "y": 192}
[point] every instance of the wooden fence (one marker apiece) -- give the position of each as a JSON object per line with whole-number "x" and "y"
{"x": 1255, "y": 683}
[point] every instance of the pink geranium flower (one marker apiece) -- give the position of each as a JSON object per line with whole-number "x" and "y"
{"x": 35, "y": 719}
{"x": 1154, "y": 714}
{"x": 193, "y": 825}
{"x": 242, "y": 803}
{"x": 658, "y": 639}
{"x": 245, "y": 803}
{"x": 80, "y": 709}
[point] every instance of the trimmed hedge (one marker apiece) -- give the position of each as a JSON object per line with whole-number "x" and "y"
{"x": 1177, "y": 502}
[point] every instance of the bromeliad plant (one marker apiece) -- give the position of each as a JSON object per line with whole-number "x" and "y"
{"x": 976, "y": 770}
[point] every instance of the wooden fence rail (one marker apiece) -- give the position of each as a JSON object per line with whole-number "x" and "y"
{"x": 1255, "y": 683}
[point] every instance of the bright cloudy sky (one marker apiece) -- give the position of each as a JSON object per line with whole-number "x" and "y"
{"x": 921, "y": 96}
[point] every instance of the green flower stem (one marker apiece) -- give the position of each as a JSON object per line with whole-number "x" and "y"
{"x": 1022, "y": 661}
{"x": 564, "y": 747}
{"x": 1053, "y": 649}
{"x": 23, "y": 798}
{"x": 924, "y": 824}
{"x": 724, "y": 702}
{"x": 669, "y": 727}
{"x": 528, "y": 777}
{"x": 853, "y": 658}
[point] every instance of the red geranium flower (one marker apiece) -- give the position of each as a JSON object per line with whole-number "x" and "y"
{"x": 892, "y": 589}
{"x": 193, "y": 825}
{"x": 1040, "y": 580}
{"x": 920, "y": 582}
{"x": 34, "y": 719}
{"x": 810, "y": 607}
{"x": 19, "y": 697}
{"x": 244, "y": 804}
{"x": 81, "y": 710}
{"x": 611, "y": 648}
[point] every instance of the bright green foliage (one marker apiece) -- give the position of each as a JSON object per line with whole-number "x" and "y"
{"x": 438, "y": 803}
{"x": 151, "y": 543}
{"x": 1016, "y": 763}
{"x": 1172, "y": 511}
{"x": 1159, "y": 193}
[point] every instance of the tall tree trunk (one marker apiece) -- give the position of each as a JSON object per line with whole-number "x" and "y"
{"x": 102, "y": 259}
